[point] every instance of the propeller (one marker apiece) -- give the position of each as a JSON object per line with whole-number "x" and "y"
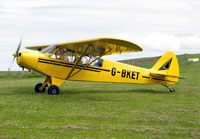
{"x": 16, "y": 53}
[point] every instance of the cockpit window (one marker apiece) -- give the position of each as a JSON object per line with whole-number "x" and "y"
{"x": 50, "y": 49}
{"x": 63, "y": 53}
{"x": 98, "y": 63}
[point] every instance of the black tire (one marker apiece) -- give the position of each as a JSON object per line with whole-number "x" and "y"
{"x": 53, "y": 90}
{"x": 172, "y": 90}
{"x": 37, "y": 90}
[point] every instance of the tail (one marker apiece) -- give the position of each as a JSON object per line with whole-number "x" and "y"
{"x": 166, "y": 69}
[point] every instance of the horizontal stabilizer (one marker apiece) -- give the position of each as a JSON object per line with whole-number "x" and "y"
{"x": 165, "y": 75}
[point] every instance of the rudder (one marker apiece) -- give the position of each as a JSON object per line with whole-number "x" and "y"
{"x": 167, "y": 65}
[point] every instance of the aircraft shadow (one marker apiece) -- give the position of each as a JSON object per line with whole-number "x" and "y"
{"x": 66, "y": 92}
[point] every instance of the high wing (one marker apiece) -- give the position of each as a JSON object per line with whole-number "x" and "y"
{"x": 98, "y": 46}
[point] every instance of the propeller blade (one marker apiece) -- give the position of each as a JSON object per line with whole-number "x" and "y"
{"x": 16, "y": 53}
{"x": 18, "y": 48}
{"x": 11, "y": 63}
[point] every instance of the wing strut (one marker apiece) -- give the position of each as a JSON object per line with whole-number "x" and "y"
{"x": 77, "y": 61}
{"x": 88, "y": 63}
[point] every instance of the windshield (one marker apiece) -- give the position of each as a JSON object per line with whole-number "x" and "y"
{"x": 50, "y": 49}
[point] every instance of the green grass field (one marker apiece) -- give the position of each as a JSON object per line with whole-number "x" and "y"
{"x": 101, "y": 110}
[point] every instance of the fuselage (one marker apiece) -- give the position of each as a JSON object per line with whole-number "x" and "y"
{"x": 110, "y": 71}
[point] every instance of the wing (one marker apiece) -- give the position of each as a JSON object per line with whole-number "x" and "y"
{"x": 99, "y": 46}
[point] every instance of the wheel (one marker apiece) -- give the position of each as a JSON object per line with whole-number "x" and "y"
{"x": 172, "y": 90}
{"x": 53, "y": 90}
{"x": 37, "y": 90}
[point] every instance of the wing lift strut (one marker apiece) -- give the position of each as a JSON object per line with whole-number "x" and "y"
{"x": 89, "y": 62}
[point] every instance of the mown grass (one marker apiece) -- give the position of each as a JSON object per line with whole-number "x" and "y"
{"x": 101, "y": 110}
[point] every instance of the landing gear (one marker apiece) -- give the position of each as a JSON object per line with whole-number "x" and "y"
{"x": 53, "y": 84}
{"x": 170, "y": 89}
{"x": 37, "y": 88}
{"x": 53, "y": 90}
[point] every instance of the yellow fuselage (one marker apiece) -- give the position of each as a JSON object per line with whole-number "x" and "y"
{"x": 109, "y": 72}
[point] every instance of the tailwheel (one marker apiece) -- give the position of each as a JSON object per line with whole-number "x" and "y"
{"x": 37, "y": 88}
{"x": 170, "y": 89}
{"x": 53, "y": 90}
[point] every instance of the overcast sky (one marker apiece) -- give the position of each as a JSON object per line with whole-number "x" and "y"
{"x": 156, "y": 25}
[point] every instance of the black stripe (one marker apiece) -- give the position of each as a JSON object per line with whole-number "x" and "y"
{"x": 70, "y": 65}
{"x": 162, "y": 80}
{"x": 73, "y": 64}
{"x": 118, "y": 71}
{"x": 145, "y": 77}
{"x": 54, "y": 64}
{"x": 67, "y": 66}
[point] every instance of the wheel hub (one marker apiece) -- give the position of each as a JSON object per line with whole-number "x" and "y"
{"x": 54, "y": 91}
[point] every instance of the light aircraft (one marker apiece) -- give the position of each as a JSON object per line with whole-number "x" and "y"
{"x": 82, "y": 61}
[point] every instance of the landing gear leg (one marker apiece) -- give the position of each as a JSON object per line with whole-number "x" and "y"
{"x": 41, "y": 87}
{"x": 170, "y": 89}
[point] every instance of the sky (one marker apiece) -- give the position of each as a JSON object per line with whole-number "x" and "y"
{"x": 157, "y": 26}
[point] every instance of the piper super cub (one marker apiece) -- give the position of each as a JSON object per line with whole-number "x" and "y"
{"x": 82, "y": 61}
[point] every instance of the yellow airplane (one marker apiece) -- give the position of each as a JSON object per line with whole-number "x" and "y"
{"x": 82, "y": 61}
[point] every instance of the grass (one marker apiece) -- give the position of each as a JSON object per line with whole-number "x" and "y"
{"x": 19, "y": 74}
{"x": 101, "y": 110}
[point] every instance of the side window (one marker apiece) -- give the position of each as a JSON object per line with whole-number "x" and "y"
{"x": 65, "y": 54}
{"x": 98, "y": 63}
{"x": 62, "y": 54}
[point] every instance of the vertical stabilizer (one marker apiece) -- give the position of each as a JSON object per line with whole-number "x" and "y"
{"x": 167, "y": 66}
